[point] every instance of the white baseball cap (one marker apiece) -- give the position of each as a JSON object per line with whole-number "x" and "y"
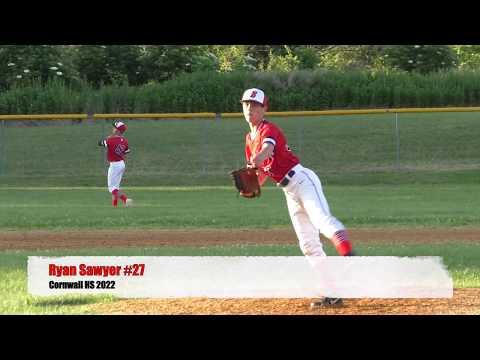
{"x": 120, "y": 126}
{"x": 256, "y": 95}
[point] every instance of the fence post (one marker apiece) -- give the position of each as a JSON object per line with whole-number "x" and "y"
{"x": 397, "y": 141}
{"x": 90, "y": 119}
{"x": 104, "y": 152}
{"x": 204, "y": 152}
{"x": 300, "y": 138}
{"x": 2, "y": 148}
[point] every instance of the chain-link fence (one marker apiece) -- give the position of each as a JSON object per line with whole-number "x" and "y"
{"x": 203, "y": 151}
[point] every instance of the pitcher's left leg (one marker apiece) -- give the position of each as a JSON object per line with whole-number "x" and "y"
{"x": 316, "y": 206}
{"x": 307, "y": 234}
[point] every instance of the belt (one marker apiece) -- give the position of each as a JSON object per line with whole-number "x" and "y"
{"x": 286, "y": 180}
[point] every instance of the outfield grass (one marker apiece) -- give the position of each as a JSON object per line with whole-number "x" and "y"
{"x": 435, "y": 184}
{"x": 210, "y": 207}
{"x": 344, "y": 149}
{"x": 460, "y": 259}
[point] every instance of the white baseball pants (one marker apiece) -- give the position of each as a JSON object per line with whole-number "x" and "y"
{"x": 309, "y": 211}
{"x": 115, "y": 173}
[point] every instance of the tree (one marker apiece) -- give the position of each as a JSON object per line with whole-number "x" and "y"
{"x": 21, "y": 64}
{"x": 262, "y": 53}
{"x": 350, "y": 57}
{"x": 91, "y": 62}
{"x": 468, "y": 56}
{"x": 163, "y": 62}
{"x": 272, "y": 56}
{"x": 233, "y": 58}
{"x": 124, "y": 64}
{"x": 205, "y": 60}
{"x": 420, "y": 58}
{"x": 284, "y": 63}
{"x": 107, "y": 64}
{"x": 308, "y": 57}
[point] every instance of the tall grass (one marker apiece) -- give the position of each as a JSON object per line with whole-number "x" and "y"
{"x": 220, "y": 92}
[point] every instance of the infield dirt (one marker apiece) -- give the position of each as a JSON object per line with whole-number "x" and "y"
{"x": 464, "y": 301}
{"x": 203, "y": 238}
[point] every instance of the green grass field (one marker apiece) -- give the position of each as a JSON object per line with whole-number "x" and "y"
{"x": 54, "y": 178}
{"x": 343, "y": 149}
{"x": 460, "y": 259}
{"x": 385, "y": 206}
{"x": 418, "y": 205}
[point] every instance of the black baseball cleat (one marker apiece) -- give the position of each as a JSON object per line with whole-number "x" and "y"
{"x": 326, "y": 302}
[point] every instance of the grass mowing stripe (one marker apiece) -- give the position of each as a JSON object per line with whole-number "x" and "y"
{"x": 412, "y": 205}
{"x": 130, "y": 188}
{"x": 457, "y": 254}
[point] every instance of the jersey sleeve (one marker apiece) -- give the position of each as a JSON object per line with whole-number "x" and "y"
{"x": 270, "y": 136}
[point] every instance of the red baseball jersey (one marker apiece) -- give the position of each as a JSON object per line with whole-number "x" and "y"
{"x": 282, "y": 159}
{"x": 117, "y": 147}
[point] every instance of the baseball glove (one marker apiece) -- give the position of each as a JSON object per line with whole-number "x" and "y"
{"x": 246, "y": 182}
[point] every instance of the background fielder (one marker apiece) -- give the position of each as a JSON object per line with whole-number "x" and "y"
{"x": 266, "y": 149}
{"x": 117, "y": 148}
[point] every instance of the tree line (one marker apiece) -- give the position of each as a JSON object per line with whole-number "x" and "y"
{"x": 137, "y": 65}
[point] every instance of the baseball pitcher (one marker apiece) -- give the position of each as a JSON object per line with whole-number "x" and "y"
{"x": 266, "y": 150}
{"x": 117, "y": 148}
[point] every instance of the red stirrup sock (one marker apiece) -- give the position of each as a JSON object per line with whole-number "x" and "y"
{"x": 124, "y": 198}
{"x": 342, "y": 244}
{"x": 115, "y": 198}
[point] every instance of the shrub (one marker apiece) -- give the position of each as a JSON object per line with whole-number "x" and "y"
{"x": 211, "y": 91}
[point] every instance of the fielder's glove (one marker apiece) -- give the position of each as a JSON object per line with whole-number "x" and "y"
{"x": 246, "y": 182}
{"x": 102, "y": 142}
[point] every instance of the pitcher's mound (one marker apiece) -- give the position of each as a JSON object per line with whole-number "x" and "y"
{"x": 464, "y": 301}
